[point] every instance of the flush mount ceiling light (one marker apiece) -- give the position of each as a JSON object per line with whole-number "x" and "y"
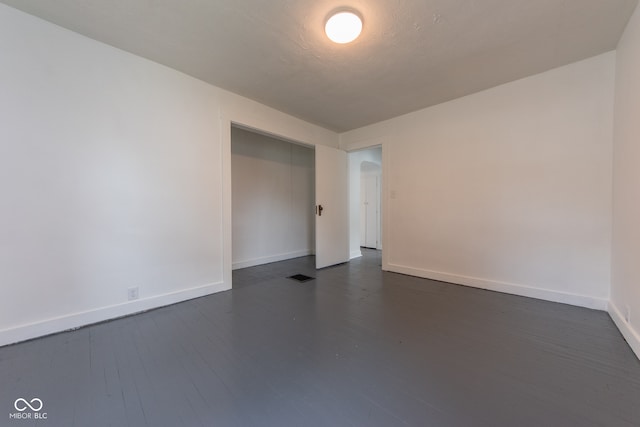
{"x": 343, "y": 27}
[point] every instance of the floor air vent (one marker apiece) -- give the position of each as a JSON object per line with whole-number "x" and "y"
{"x": 300, "y": 278}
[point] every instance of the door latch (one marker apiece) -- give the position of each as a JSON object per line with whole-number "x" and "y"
{"x": 319, "y": 209}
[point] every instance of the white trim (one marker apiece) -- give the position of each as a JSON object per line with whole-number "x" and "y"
{"x": 628, "y": 332}
{"x": 355, "y": 254}
{"x": 84, "y": 318}
{"x": 227, "y": 249}
{"x": 385, "y": 206}
{"x": 272, "y": 258}
{"x": 509, "y": 288}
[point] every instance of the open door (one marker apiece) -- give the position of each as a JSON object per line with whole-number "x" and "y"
{"x": 332, "y": 207}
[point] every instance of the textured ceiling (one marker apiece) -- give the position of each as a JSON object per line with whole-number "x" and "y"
{"x": 411, "y": 54}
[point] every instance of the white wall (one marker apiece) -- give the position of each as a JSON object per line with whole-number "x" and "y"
{"x": 113, "y": 174}
{"x": 625, "y": 286}
{"x": 507, "y": 189}
{"x": 373, "y": 155}
{"x": 273, "y": 186}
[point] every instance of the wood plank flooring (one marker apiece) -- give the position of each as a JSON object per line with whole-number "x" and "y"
{"x": 354, "y": 347}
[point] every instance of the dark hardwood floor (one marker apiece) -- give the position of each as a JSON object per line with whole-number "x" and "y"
{"x": 354, "y": 347}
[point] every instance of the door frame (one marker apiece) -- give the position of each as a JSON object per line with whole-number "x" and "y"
{"x": 385, "y": 193}
{"x": 261, "y": 122}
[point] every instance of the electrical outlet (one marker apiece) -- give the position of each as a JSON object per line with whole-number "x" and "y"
{"x": 627, "y": 313}
{"x": 132, "y": 293}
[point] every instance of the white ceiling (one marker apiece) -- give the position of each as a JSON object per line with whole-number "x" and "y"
{"x": 411, "y": 54}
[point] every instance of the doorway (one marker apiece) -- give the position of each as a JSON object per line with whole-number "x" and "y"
{"x": 370, "y": 184}
{"x": 365, "y": 201}
{"x": 288, "y": 200}
{"x": 273, "y": 199}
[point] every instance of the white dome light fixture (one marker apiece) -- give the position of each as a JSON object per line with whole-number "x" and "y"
{"x": 343, "y": 27}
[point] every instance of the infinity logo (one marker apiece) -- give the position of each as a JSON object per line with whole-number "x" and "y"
{"x": 21, "y": 404}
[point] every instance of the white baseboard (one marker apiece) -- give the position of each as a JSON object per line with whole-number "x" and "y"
{"x": 509, "y": 288}
{"x": 628, "y": 332}
{"x": 77, "y": 320}
{"x": 355, "y": 254}
{"x": 273, "y": 258}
